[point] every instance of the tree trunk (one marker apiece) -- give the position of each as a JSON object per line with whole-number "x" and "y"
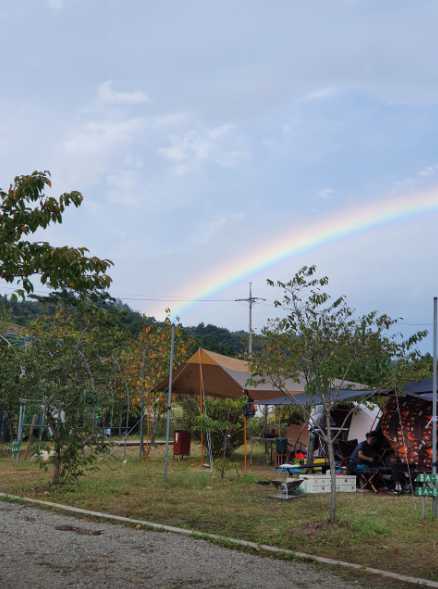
{"x": 331, "y": 454}
{"x": 142, "y": 404}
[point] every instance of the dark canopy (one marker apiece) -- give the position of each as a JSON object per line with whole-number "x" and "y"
{"x": 305, "y": 399}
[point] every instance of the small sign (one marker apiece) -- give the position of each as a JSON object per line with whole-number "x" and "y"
{"x": 427, "y": 485}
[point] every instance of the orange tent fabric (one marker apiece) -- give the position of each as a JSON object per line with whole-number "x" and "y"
{"x": 213, "y": 375}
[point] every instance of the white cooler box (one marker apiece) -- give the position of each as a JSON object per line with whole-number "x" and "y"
{"x": 317, "y": 483}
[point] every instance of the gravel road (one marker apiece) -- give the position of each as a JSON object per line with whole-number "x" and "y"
{"x": 42, "y": 549}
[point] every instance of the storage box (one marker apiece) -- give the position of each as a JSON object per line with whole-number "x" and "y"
{"x": 316, "y": 483}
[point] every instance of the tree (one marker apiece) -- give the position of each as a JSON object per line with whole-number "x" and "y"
{"x": 223, "y": 420}
{"x": 321, "y": 340}
{"x": 24, "y": 209}
{"x": 147, "y": 369}
{"x": 68, "y": 370}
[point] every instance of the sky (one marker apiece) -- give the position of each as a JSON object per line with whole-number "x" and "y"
{"x": 200, "y": 131}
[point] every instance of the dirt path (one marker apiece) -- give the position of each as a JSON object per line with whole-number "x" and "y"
{"x": 41, "y": 549}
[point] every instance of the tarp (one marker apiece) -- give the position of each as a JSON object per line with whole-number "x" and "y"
{"x": 421, "y": 389}
{"x": 216, "y": 375}
{"x": 305, "y": 399}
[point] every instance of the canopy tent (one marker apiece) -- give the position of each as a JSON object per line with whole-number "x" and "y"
{"x": 211, "y": 374}
{"x": 214, "y": 375}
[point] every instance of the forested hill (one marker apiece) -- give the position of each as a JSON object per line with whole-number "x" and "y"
{"x": 211, "y": 337}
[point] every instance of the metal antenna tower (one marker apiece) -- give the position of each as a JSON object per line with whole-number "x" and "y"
{"x": 251, "y": 300}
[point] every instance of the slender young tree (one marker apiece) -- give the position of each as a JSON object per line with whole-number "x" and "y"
{"x": 147, "y": 366}
{"x": 321, "y": 341}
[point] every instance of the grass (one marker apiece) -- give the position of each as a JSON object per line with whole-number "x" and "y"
{"x": 373, "y": 530}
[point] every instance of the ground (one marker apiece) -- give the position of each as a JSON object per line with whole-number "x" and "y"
{"x": 41, "y": 549}
{"x": 379, "y": 531}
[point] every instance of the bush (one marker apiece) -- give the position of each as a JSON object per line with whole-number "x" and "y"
{"x": 223, "y": 419}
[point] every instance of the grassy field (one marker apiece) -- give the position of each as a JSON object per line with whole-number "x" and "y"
{"x": 375, "y": 530}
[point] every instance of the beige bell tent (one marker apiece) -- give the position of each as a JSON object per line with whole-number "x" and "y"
{"x": 209, "y": 374}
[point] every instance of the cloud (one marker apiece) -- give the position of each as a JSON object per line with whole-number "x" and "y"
{"x": 428, "y": 171}
{"x": 168, "y": 120}
{"x": 56, "y": 5}
{"x": 107, "y": 95}
{"x": 101, "y": 137}
{"x": 216, "y": 226}
{"x": 191, "y": 149}
{"x": 90, "y": 150}
{"x": 321, "y": 94}
{"x": 326, "y": 193}
{"x": 125, "y": 187}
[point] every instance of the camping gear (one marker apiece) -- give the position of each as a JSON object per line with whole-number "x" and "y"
{"x": 295, "y": 469}
{"x": 181, "y": 443}
{"x": 319, "y": 483}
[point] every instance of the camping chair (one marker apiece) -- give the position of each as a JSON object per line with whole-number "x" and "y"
{"x": 366, "y": 479}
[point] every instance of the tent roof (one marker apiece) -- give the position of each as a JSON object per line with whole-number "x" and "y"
{"x": 303, "y": 399}
{"x": 222, "y": 376}
{"x": 225, "y": 377}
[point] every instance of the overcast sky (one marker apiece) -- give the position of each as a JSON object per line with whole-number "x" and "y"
{"x": 198, "y": 130}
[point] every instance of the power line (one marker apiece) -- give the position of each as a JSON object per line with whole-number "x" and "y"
{"x": 251, "y": 300}
{"x": 254, "y": 300}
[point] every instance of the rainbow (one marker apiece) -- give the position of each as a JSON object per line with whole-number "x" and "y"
{"x": 336, "y": 226}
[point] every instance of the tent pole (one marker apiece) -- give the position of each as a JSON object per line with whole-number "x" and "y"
{"x": 201, "y": 404}
{"x": 169, "y": 403}
{"x": 434, "y": 401}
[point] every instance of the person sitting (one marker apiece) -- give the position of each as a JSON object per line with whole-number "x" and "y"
{"x": 365, "y": 455}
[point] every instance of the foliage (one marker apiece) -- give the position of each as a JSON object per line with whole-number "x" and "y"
{"x": 25, "y": 209}
{"x": 67, "y": 369}
{"x": 290, "y": 414}
{"x": 9, "y": 385}
{"x": 219, "y": 339}
{"x": 146, "y": 370}
{"x": 211, "y": 337}
{"x": 224, "y": 420}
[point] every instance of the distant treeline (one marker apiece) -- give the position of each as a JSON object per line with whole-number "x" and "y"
{"x": 211, "y": 337}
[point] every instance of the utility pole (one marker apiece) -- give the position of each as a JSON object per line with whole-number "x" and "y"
{"x": 169, "y": 403}
{"x": 434, "y": 400}
{"x": 251, "y": 300}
